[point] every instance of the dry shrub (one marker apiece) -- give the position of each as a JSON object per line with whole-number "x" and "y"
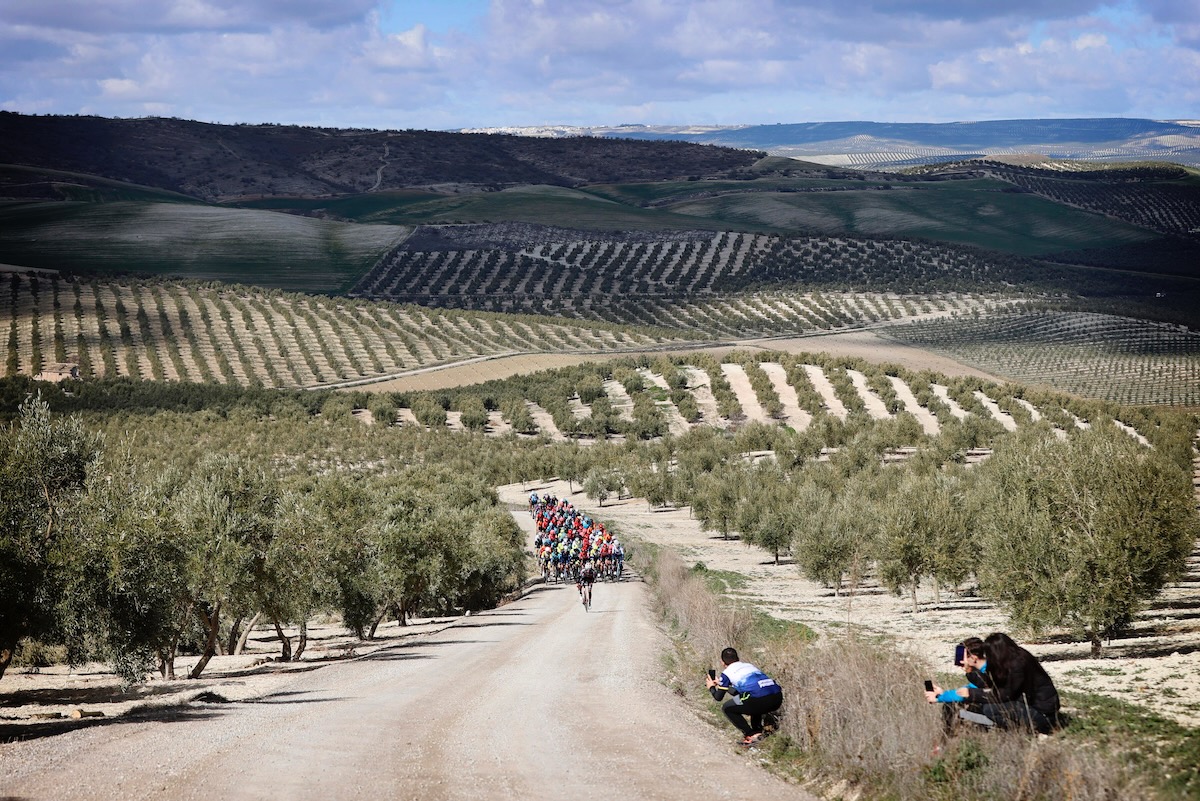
{"x": 1011, "y": 765}
{"x": 708, "y": 622}
{"x": 858, "y": 707}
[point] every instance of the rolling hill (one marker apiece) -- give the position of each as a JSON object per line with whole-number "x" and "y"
{"x": 878, "y": 145}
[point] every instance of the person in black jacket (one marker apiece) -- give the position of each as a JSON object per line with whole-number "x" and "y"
{"x": 1021, "y": 693}
{"x": 955, "y": 701}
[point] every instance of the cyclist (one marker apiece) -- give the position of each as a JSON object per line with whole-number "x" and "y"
{"x": 584, "y": 582}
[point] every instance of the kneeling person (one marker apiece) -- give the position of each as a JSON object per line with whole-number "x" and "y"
{"x": 756, "y": 695}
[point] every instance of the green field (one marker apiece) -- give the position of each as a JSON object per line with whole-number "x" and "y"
{"x": 971, "y": 215}
{"x": 193, "y": 241}
{"x": 543, "y": 205}
{"x": 366, "y": 208}
{"x": 20, "y": 181}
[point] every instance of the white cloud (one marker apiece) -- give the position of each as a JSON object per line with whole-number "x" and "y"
{"x": 601, "y": 61}
{"x": 1090, "y": 40}
{"x": 408, "y": 50}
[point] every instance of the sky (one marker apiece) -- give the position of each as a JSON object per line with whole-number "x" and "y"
{"x": 445, "y": 64}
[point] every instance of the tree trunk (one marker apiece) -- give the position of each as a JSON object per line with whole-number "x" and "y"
{"x": 776, "y": 557}
{"x": 166, "y": 664}
{"x": 241, "y": 643}
{"x": 6, "y": 657}
{"x": 937, "y": 593}
{"x": 286, "y": 652}
{"x": 235, "y": 631}
{"x": 166, "y": 657}
{"x": 1096, "y": 644}
{"x": 303, "y": 640}
{"x": 378, "y": 620}
{"x": 402, "y": 619}
{"x": 912, "y": 591}
{"x": 212, "y": 622}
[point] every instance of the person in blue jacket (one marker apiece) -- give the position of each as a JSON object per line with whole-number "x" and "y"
{"x": 971, "y": 696}
{"x": 754, "y": 694}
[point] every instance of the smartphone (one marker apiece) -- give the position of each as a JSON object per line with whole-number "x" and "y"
{"x": 928, "y": 686}
{"x": 712, "y": 674}
{"x": 959, "y": 652}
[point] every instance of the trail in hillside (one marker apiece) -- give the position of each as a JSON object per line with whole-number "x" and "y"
{"x": 387, "y": 152}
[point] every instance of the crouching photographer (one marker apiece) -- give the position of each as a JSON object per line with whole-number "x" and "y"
{"x": 971, "y": 657}
{"x": 755, "y": 694}
{"x": 1013, "y": 689}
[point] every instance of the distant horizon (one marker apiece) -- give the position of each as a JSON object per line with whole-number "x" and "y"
{"x": 1185, "y": 121}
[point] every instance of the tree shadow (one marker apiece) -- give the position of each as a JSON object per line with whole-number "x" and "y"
{"x": 1169, "y": 605}
{"x": 89, "y": 695}
{"x": 392, "y": 655}
{"x": 288, "y": 698}
{"x": 10, "y": 732}
{"x": 1149, "y": 651}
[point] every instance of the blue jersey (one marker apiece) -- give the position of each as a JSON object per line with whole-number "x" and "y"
{"x": 748, "y": 681}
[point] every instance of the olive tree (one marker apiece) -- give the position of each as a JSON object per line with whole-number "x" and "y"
{"x": 767, "y": 517}
{"x": 44, "y": 465}
{"x": 922, "y": 532}
{"x": 127, "y": 575}
{"x": 1080, "y": 533}
{"x": 221, "y": 511}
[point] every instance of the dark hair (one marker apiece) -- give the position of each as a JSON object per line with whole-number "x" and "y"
{"x": 975, "y": 647}
{"x": 1004, "y": 655}
{"x": 729, "y": 656}
{"x": 1001, "y": 647}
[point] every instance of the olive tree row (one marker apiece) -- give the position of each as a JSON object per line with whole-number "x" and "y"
{"x": 133, "y": 565}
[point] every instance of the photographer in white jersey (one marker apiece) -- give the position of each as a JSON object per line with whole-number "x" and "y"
{"x": 754, "y": 694}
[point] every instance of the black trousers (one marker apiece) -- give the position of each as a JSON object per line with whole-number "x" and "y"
{"x": 1018, "y": 715}
{"x": 753, "y": 708}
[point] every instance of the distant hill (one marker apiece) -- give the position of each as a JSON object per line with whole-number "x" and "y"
{"x": 883, "y": 144}
{"x": 230, "y": 162}
{"x": 643, "y": 219}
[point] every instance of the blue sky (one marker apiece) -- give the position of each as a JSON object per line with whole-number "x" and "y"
{"x": 473, "y": 63}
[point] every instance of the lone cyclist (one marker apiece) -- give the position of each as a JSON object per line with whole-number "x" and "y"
{"x": 756, "y": 695}
{"x": 584, "y": 582}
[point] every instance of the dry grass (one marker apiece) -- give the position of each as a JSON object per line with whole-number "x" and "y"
{"x": 706, "y": 622}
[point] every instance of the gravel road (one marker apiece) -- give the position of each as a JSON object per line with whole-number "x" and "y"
{"x": 536, "y": 700}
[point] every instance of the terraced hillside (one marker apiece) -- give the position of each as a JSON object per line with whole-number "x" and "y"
{"x": 1159, "y": 197}
{"x": 578, "y": 273}
{"x": 1095, "y": 355}
{"x": 172, "y": 331}
{"x": 162, "y": 330}
{"x": 646, "y": 398}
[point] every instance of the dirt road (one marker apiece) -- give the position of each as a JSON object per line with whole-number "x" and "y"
{"x": 536, "y": 700}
